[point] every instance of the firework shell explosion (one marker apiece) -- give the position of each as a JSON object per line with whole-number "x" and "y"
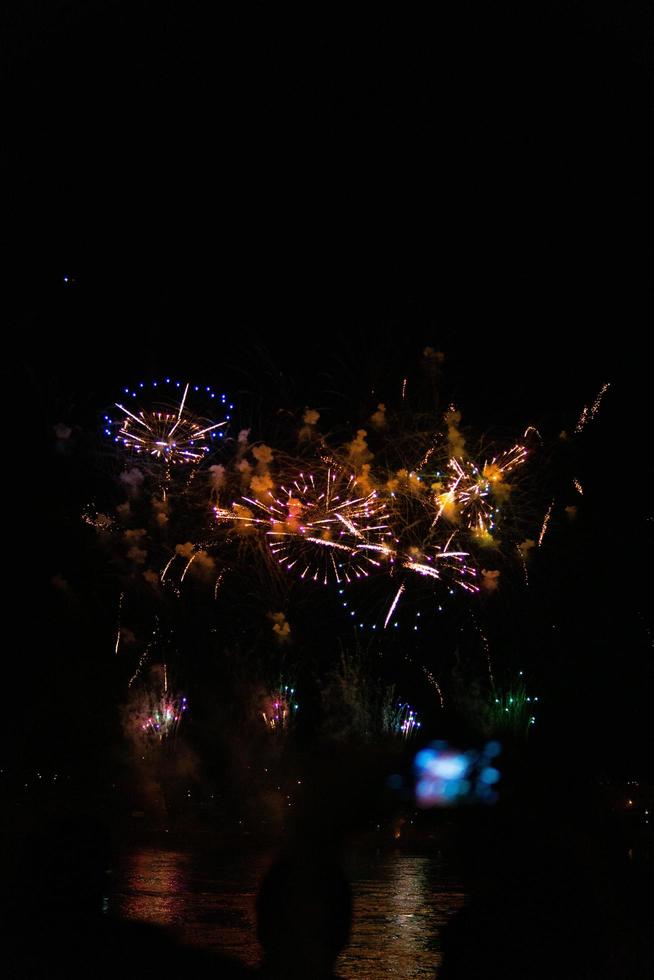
{"x": 320, "y": 526}
{"x": 512, "y": 710}
{"x": 155, "y": 422}
{"x": 279, "y": 708}
{"x": 406, "y": 721}
{"x": 161, "y": 715}
{"x": 470, "y": 495}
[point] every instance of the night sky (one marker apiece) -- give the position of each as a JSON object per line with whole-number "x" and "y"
{"x": 292, "y": 205}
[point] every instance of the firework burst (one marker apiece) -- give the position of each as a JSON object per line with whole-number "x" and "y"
{"x": 513, "y": 710}
{"x": 320, "y": 526}
{"x": 471, "y": 494}
{"x": 406, "y": 721}
{"x": 279, "y": 709}
{"x": 165, "y": 431}
{"x": 162, "y": 716}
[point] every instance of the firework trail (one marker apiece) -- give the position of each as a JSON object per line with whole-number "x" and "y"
{"x": 120, "y": 609}
{"x": 142, "y": 659}
{"x": 530, "y": 429}
{"x": 589, "y": 413}
{"x": 394, "y": 603}
{"x": 434, "y": 683}
{"x": 546, "y": 521}
{"x": 523, "y": 561}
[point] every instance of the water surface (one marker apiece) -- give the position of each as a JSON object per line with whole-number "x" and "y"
{"x": 402, "y": 901}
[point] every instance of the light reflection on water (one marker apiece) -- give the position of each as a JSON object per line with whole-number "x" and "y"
{"x": 401, "y": 902}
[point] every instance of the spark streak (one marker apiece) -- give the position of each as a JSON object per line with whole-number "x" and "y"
{"x": 120, "y": 606}
{"x": 546, "y": 521}
{"x": 394, "y": 604}
{"x": 590, "y": 413}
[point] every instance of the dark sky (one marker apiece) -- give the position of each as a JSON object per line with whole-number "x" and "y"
{"x": 484, "y": 163}
{"x": 477, "y": 177}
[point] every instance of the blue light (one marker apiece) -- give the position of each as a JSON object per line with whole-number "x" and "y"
{"x": 449, "y": 767}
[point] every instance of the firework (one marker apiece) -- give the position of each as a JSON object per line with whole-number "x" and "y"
{"x": 167, "y": 432}
{"x": 160, "y": 714}
{"x": 118, "y": 628}
{"x": 101, "y": 522}
{"x": 513, "y": 710}
{"x": 164, "y": 718}
{"x": 406, "y": 721}
{"x": 320, "y": 526}
{"x": 443, "y": 564}
{"x": 546, "y": 520}
{"x": 589, "y": 413}
{"x": 279, "y": 709}
{"x": 470, "y": 494}
{"x": 434, "y": 683}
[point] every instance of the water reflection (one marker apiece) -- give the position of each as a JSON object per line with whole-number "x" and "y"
{"x": 157, "y": 887}
{"x": 401, "y": 902}
{"x": 208, "y": 900}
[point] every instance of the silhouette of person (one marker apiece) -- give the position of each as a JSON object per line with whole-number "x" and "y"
{"x": 304, "y": 914}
